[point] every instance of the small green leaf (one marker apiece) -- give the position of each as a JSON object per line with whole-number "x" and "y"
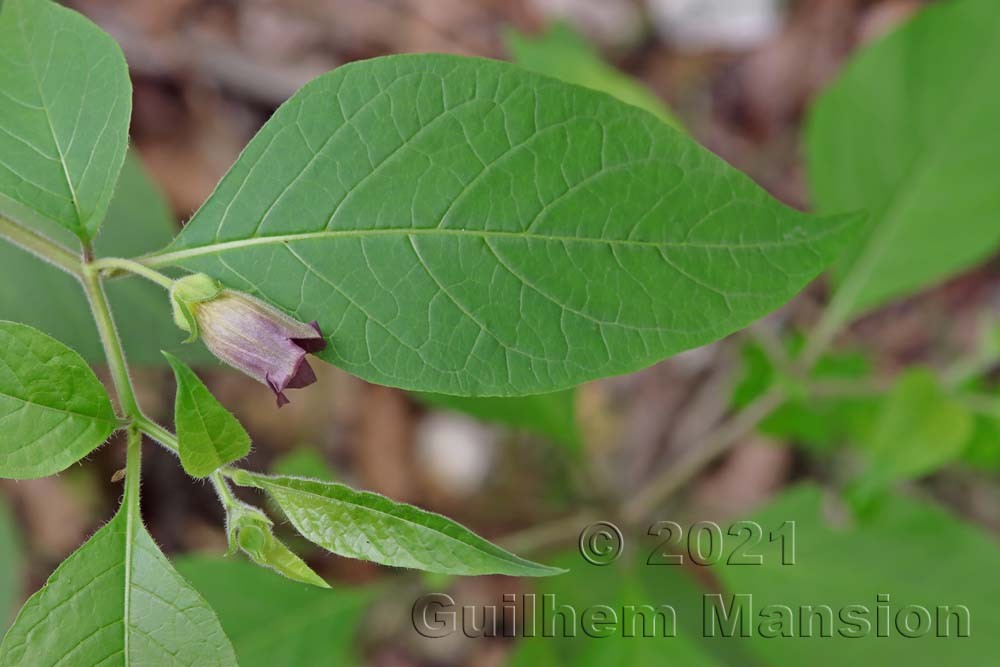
{"x": 563, "y": 54}
{"x": 920, "y": 429}
{"x": 48, "y": 299}
{"x": 911, "y": 132}
{"x": 65, "y": 103}
{"x": 552, "y": 415}
{"x": 463, "y": 226}
{"x": 274, "y": 622}
{"x": 208, "y": 435}
{"x": 11, "y": 563}
{"x": 363, "y": 525}
{"x": 250, "y": 530}
{"x": 983, "y": 447}
{"x": 53, "y": 409}
{"x": 819, "y": 422}
{"x": 117, "y": 600}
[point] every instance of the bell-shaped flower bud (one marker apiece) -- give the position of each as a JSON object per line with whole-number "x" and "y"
{"x": 247, "y": 333}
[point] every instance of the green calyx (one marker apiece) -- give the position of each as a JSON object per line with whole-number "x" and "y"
{"x": 185, "y": 294}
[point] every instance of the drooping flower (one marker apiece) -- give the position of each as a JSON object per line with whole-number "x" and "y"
{"x": 247, "y": 333}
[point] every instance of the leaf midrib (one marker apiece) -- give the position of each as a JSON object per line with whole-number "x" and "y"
{"x": 58, "y": 410}
{"x": 173, "y": 257}
{"x": 81, "y": 226}
{"x": 506, "y": 554}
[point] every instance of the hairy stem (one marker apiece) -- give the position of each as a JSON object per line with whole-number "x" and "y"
{"x": 42, "y": 247}
{"x": 157, "y": 433}
{"x": 113, "y": 351}
{"x": 114, "y": 264}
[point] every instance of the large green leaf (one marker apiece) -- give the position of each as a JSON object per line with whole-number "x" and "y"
{"x": 65, "y": 103}
{"x": 33, "y": 292}
{"x": 11, "y": 562}
{"x": 53, "y": 409}
{"x": 912, "y": 552}
{"x": 274, "y": 622}
{"x": 563, "y": 54}
{"x": 552, "y": 415}
{"x": 117, "y": 601}
{"x": 634, "y": 593}
{"x": 208, "y": 435}
{"x": 910, "y": 132}
{"x": 463, "y": 226}
{"x": 358, "y": 524}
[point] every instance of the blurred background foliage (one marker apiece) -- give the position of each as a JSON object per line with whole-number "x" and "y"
{"x": 885, "y": 454}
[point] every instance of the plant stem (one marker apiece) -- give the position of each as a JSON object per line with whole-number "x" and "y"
{"x": 717, "y": 442}
{"x": 42, "y": 247}
{"x": 111, "y": 264}
{"x": 133, "y": 467}
{"x": 112, "y": 344}
{"x": 224, "y": 492}
{"x": 157, "y": 433}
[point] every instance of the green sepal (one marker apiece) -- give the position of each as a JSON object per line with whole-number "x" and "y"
{"x": 190, "y": 290}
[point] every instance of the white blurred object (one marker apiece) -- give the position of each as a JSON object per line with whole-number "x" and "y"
{"x": 701, "y": 25}
{"x": 455, "y": 452}
{"x": 611, "y": 22}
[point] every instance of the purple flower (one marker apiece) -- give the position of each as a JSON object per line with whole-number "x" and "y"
{"x": 252, "y": 336}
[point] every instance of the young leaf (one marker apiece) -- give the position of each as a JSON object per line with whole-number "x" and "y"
{"x": 815, "y": 421}
{"x": 274, "y": 622}
{"x": 208, "y": 434}
{"x": 563, "y": 54}
{"x": 53, "y": 409}
{"x": 368, "y": 526}
{"x": 11, "y": 562}
{"x": 552, "y": 415}
{"x": 65, "y": 102}
{"x": 911, "y": 132}
{"x": 117, "y": 600}
{"x": 250, "y": 531}
{"x": 33, "y": 292}
{"x": 463, "y": 226}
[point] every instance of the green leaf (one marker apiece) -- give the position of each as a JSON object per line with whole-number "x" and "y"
{"x": 910, "y": 132}
{"x": 117, "y": 600}
{"x": 465, "y": 227}
{"x": 551, "y": 415}
{"x": 53, "y": 409}
{"x": 564, "y": 54}
{"x": 920, "y": 429}
{"x": 819, "y": 422}
{"x": 268, "y": 551}
{"x": 983, "y": 447}
{"x": 250, "y": 531}
{"x": 11, "y": 564}
{"x": 274, "y": 622}
{"x": 913, "y": 552}
{"x": 208, "y": 435}
{"x": 368, "y": 526}
{"x": 65, "y": 103}
{"x": 41, "y": 295}
{"x": 627, "y": 586}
